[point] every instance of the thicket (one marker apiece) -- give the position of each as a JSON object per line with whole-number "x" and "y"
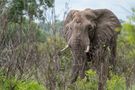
{"x": 30, "y": 57}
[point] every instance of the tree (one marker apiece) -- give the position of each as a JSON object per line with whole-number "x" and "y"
{"x": 17, "y": 9}
{"x": 126, "y": 50}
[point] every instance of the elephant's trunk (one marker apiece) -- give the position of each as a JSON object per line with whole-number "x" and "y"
{"x": 79, "y": 64}
{"x": 79, "y": 60}
{"x": 80, "y": 46}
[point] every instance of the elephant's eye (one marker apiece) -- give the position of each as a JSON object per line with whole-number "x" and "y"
{"x": 89, "y": 27}
{"x": 88, "y": 17}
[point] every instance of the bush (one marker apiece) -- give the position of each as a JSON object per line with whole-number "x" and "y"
{"x": 29, "y": 85}
{"x": 116, "y": 83}
{"x": 13, "y": 84}
{"x": 91, "y": 83}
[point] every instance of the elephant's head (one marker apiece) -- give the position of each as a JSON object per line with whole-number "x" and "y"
{"x": 80, "y": 29}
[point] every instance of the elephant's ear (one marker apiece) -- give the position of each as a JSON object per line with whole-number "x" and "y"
{"x": 67, "y": 26}
{"x": 107, "y": 18}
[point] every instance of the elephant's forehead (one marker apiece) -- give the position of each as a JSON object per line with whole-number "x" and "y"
{"x": 84, "y": 14}
{"x": 88, "y": 13}
{"x": 79, "y": 15}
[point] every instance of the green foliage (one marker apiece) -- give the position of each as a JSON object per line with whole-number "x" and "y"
{"x": 128, "y": 33}
{"x": 126, "y": 51}
{"x": 126, "y": 45}
{"x": 116, "y": 83}
{"x": 91, "y": 82}
{"x": 14, "y": 84}
{"x": 6, "y": 84}
{"x": 24, "y": 32}
{"x": 17, "y": 9}
{"x": 29, "y": 85}
{"x": 132, "y": 87}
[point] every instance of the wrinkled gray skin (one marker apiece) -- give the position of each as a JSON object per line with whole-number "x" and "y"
{"x": 96, "y": 29}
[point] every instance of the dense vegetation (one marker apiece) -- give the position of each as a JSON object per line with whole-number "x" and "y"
{"x": 30, "y": 57}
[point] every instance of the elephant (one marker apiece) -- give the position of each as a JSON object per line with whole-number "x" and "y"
{"x": 91, "y": 36}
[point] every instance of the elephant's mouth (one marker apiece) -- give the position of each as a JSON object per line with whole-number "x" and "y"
{"x": 86, "y": 50}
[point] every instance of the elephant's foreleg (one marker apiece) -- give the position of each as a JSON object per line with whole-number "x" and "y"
{"x": 83, "y": 68}
{"x": 74, "y": 74}
{"x": 102, "y": 76}
{"x": 75, "y": 67}
{"x": 113, "y": 55}
{"x": 103, "y": 71}
{"x": 79, "y": 66}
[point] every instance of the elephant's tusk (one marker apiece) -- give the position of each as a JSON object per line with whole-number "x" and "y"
{"x": 64, "y": 48}
{"x": 87, "y": 49}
